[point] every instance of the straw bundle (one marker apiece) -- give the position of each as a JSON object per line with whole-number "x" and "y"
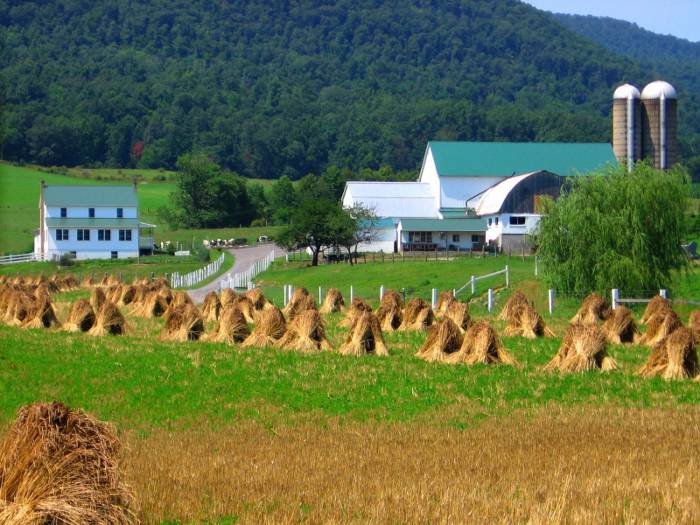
{"x": 593, "y": 309}
{"x": 333, "y": 302}
{"x": 211, "y": 307}
{"x": 140, "y": 294}
{"x": 232, "y": 327}
{"x": 445, "y": 299}
{"x": 20, "y": 308}
{"x": 673, "y": 358}
{"x": 127, "y": 294}
{"x": 459, "y": 313}
{"x": 481, "y": 345}
{"x": 166, "y": 294}
{"x": 97, "y": 299}
{"x": 620, "y": 327}
{"x": 516, "y": 300}
{"x": 392, "y": 297}
{"x": 109, "y": 321}
{"x": 365, "y": 337}
{"x": 444, "y": 338}
{"x": 526, "y": 322}
{"x": 660, "y": 326}
{"x": 88, "y": 282}
{"x": 245, "y": 306}
{"x": 306, "y": 333}
{"x": 159, "y": 283}
{"x": 583, "y": 348}
{"x": 357, "y": 307}
{"x": 113, "y": 293}
{"x": 300, "y": 301}
{"x": 41, "y": 291}
{"x": 227, "y": 296}
{"x": 389, "y": 316}
{"x": 694, "y": 322}
{"x": 181, "y": 298}
{"x": 43, "y": 315}
{"x": 183, "y": 323}
{"x": 61, "y": 466}
{"x": 81, "y": 317}
{"x": 154, "y": 305}
{"x": 6, "y": 294}
{"x": 657, "y": 305}
{"x": 259, "y": 300}
{"x": 418, "y": 315}
{"x": 113, "y": 280}
{"x": 270, "y": 327}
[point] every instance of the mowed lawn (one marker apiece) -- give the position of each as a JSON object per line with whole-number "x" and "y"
{"x": 19, "y": 205}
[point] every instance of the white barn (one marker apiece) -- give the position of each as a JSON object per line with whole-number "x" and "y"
{"x": 90, "y": 222}
{"x": 471, "y": 193}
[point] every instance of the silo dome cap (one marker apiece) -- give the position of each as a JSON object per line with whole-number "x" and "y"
{"x": 626, "y": 91}
{"x": 657, "y": 88}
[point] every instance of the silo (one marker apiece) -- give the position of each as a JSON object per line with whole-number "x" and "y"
{"x": 627, "y": 125}
{"x": 660, "y": 124}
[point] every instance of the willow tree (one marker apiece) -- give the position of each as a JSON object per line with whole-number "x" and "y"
{"x": 615, "y": 229}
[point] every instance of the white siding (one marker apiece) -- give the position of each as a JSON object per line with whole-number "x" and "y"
{"x": 429, "y": 175}
{"x": 92, "y": 249}
{"x": 105, "y": 212}
{"x": 496, "y": 232}
{"x": 383, "y": 243}
{"x": 392, "y": 199}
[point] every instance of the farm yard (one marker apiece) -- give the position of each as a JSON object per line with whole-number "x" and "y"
{"x": 218, "y": 431}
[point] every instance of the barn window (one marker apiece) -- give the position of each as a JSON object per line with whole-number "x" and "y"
{"x": 517, "y": 221}
{"x": 91, "y": 213}
{"x": 64, "y": 212}
{"x": 83, "y": 235}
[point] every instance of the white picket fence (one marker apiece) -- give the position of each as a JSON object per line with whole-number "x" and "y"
{"x": 22, "y": 257}
{"x": 474, "y": 279}
{"x": 193, "y": 278}
{"x": 245, "y": 279}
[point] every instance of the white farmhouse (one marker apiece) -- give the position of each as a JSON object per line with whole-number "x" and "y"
{"x": 90, "y": 222}
{"x": 471, "y": 193}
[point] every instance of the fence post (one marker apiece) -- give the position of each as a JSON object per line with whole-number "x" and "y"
{"x": 507, "y": 276}
{"x": 490, "y": 299}
{"x": 381, "y": 292}
{"x": 536, "y": 269}
{"x": 473, "y": 281}
{"x": 433, "y": 298}
{"x": 320, "y": 296}
{"x": 284, "y": 295}
{"x": 615, "y": 297}
{"x": 454, "y": 292}
{"x": 550, "y": 298}
{"x": 662, "y": 293}
{"x": 352, "y": 293}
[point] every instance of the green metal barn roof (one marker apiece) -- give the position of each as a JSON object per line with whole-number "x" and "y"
{"x": 91, "y": 196}
{"x": 503, "y": 159}
{"x": 444, "y": 225}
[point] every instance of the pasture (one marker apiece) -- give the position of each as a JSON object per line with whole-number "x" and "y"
{"x": 220, "y": 434}
{"x": 19, "y": 202}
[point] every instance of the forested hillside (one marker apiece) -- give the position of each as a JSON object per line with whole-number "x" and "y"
{"x": 279, "y": 88}
{"x": 662, "y": 56}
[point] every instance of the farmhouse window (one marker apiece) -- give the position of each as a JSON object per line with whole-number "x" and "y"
{"x": 124, "y": 235}
{"x": 478, "y": 238}
{"x": 496, "y": 221}
{"x": 114, "y": 255}
{"x": 455, "y": 237}
{"x": 420, "y": 236}
{"x": 104, "y": 235}
{"x": 490, "y": 222}
{"x": 91, "y": 213}
{"x": 61, "y": 235}
{"x": 120, "y": 213}
{"x": 83, "y": 235}
{"x": 517, "y": 221}
{"x": 64, "y": 212}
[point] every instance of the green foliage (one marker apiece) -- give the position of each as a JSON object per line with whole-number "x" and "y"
{"x": 207, "y": 197}
{"x": 66, "y": 260}
{"x": 298, "y": 87}
{"x": 283, "y": 200}
{"x": 615, "y": 230}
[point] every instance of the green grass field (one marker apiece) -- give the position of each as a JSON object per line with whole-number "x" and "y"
{"x": 19, "y": 201}
{"x": 211, "y": 428}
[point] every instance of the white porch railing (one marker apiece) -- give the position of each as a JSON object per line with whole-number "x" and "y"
{"x": 474, "y": 279}
{"x": 22, "y": 257}
{"x": 191, "y": 279}
{"x": 245, "y": 279}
